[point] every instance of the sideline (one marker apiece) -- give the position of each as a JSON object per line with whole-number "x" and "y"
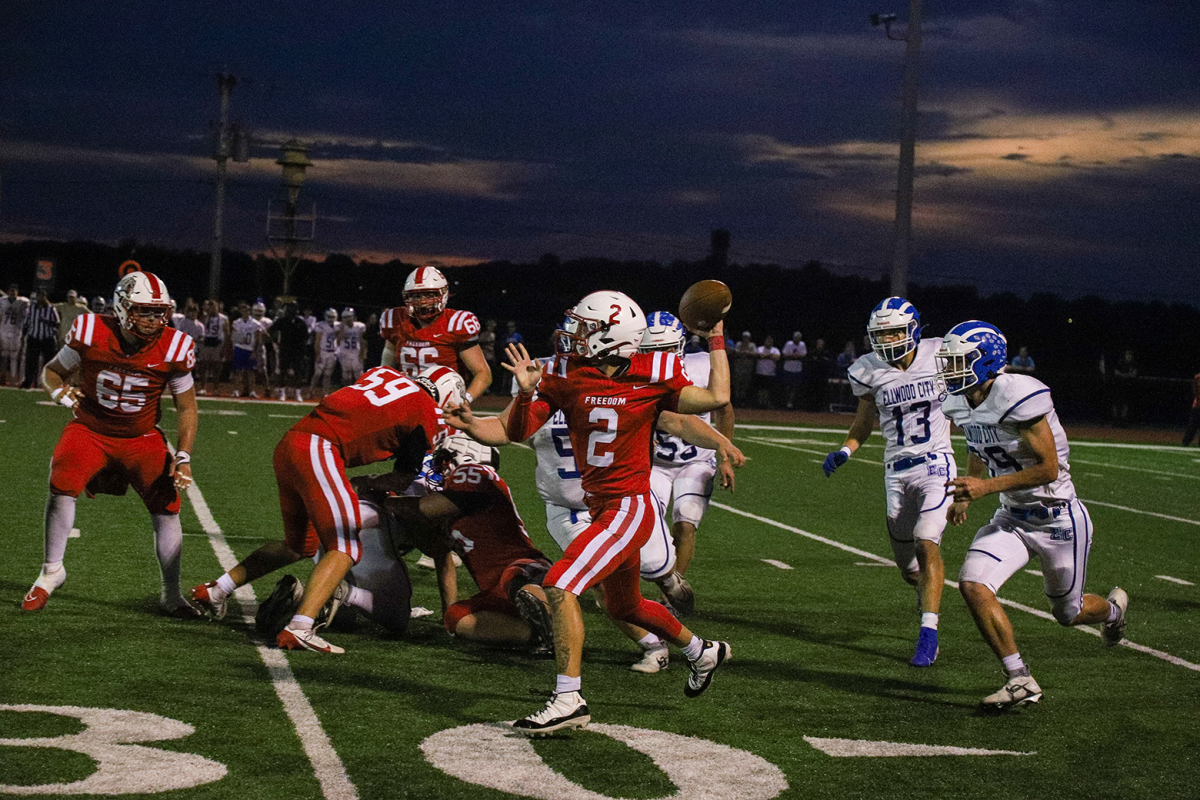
{"x": 327, "y": 765}
{"x": 1037, "y": 612}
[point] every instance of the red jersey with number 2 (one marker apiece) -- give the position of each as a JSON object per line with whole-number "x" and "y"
{"x": 121, "y": 390}
{"x": 369, "y": 420}
{"x": 610, "y": 420}
{"x": 437, "y": 344}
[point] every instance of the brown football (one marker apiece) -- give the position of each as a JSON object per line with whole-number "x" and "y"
{"x": 704, "y": 304}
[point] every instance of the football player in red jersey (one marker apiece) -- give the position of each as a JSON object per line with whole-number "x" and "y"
{"x": 611, "y": 396}
{"x": 423, "y": 333}
{"x": 113, "y": 371}
{"x": 473, "y": 515}
{"x": 384, "y": 415}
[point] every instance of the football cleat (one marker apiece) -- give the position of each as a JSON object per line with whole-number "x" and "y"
{"x": 295, "y": 639}
{"x": 180, "y": 608}
{"x": 535, "y": 613}
{"x": 277, "y": 611}
{"x": 39, "y": 593}
{"x": 680, "y": 593}
{"x": 1019, "y": 690}
{"x": 712, "y": 656}
{"x": 341, "y": 594}
{"x": 564, "y": 711}
{"x": 656, "y": 659}
{"x": 1114, "y": 631}
{"x": 927, "y": 648}
{"x": 203, "y": 597}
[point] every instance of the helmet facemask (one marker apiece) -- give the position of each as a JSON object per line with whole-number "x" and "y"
{"x": 956, "y": 371}
{"x": 426, "y": 304}
{"x": 892, "y": 349}
{"x": 573, "y": 338}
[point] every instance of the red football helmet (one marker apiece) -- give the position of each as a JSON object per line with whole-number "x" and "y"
{"x": 142, "y": 305}
{"x": 425, "y": 293}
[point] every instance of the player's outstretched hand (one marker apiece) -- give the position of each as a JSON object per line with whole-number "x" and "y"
{"x": 834, "y": 460}
{"x": 966, "y": 489}
{"x": 956, "y": 514}
{"x": 458, "y": 417}
{"x": 728, "y": 457}
{"x": 525, "y": 370}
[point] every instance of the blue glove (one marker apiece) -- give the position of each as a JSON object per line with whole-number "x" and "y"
{"x": 835, "y": 460}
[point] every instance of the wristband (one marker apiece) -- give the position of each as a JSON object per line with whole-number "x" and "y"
{"x": 62, "y": 396}
{"x": 846, "y": 450}
{"x": 182, "y": 457}
{"x": 470, "y": 398}
{"x": 716, "y": 343}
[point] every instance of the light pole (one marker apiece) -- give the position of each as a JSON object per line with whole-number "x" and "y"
{"x": 231, "y": 141}
{"x": 902, "y": 235}
{"x": 294, "y": 162}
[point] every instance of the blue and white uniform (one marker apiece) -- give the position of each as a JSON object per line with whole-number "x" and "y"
{"x": 558, "y": 483}
{"x": 918, "y": 458}
{"x": 327, "y": 350}
{"x": 681, "y": 473}
{"x": 349, "y": 349}
{"x": 1046, "y": 521}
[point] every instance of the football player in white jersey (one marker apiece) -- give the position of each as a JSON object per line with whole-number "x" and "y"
{"x": 352, "y": 346}
{"x": 681, "y": 473}
{"x": 1013, "y": 432}
{"x": 897, "y": 383}
{"x": 325, "y": 352}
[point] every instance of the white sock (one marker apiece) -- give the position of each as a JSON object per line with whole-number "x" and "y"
{"x": 1114, "y": 613}
{"x": 168, "y": 543}
{"x": 565, "y": 683}
{"x": 49, "y": 568}
{"x": 1013, "y": 664}
{"x": 225, "y": 586}
{"x": 60, "y": 518}
{"x": 301, "y": 623}
{"x": 361, "y": 598}
{"x": 694, "y": 648}
{"x": 650, "y": 642}
{"x": 929, "y": 620}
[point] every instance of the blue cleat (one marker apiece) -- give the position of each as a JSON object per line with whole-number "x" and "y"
{"x": 927, "y": 648}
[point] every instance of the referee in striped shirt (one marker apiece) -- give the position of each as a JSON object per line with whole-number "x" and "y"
{"x": 41, "y": 338}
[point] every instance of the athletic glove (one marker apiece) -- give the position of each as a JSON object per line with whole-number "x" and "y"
{"x": 835, "y": 460}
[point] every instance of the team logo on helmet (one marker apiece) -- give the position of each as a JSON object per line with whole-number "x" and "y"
{"x": 973, "y": 352}
{"x": 443, "y": 384}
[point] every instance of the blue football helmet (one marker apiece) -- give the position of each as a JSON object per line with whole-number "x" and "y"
{"x": 892, "y": 315}
{"x": 663, "y": 332}
{"x": 973, "y": 352}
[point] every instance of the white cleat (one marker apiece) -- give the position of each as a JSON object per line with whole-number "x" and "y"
{"x": 1115, "y": 631}
{"x": 712, "y": 656}
{"x": 1019, "y": 690}
{"x": 295, "y": 639}
{"x": 656, "y": 659}
{"x": 564, "y": 712}
{"x": 39, "y": 593}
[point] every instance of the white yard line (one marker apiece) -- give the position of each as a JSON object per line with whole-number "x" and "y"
{"x": 327, "y": 765}
{"x": 1180, "y": 581}
{"x": 1037, "y": 612}
{"x": 775, "y": 563}
{"x": 1193, "y": 476}
{"x": 1140, "y": 511}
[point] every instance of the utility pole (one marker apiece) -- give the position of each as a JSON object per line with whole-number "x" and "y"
{"x": 225, "y": 84}
{"x": 902, "y": 237}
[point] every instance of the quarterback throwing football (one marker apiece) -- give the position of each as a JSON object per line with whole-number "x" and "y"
{"x": 113, "y": 371}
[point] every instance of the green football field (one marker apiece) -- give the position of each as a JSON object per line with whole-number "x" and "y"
{"x": 99, "y": 694}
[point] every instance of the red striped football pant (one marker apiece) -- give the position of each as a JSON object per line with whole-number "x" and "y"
{"x": 317, "y": 501}
{"x": 81, "y": 454}
{"x": 608, "y": 552}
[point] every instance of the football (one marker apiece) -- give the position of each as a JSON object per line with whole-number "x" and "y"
{"x": 704, "y": 304}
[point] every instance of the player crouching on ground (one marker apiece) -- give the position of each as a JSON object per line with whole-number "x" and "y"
{"x": 611, "y": 396}
{"x": 471, "y": 512}
{"x": 122, "y": 365}
{"x": 1013, "y": 431}
{"x": 384, "y": 415}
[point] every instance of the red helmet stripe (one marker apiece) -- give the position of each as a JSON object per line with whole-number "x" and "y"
{"x": 155, "y": 285}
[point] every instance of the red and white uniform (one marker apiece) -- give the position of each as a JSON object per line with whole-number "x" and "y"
{"x": 611, "y": 421}
{"x": 382, "y": 414}
{"x": 436, "y": 344}
{"x": 116, "y": 418}
{"x": 491, "y": 539}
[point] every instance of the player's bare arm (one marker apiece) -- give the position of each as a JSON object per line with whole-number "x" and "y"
{"x": 477, "y": 365}
{"x": 722, "y": 420}
{"x": 189, "y": 417}
{"x": 1038, "y": 439}
{"x": 864, "y": 422}
{"x": 694, "y": 430}
{"x": 693, "y": 399}
{"x": 56, "y": 381}
{"x": 388, "y": 359}
{"x": 956, "y": 514}
{"x": 492, "y": 431}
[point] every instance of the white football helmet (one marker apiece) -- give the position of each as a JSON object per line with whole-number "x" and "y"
{"x": 331, "y": 315}
{"x": 348, "y": 314}
{"x": 425, "y": 293}
{"x": 663, "y": 332}
{"x": 893, "y": 316}
{"x": 142, "y": 305}
{"x": 602, "y": 324}
{"x": 443, "y": 384}
{"x": 258, "y": 310}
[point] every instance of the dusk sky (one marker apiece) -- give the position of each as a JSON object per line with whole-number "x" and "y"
{"x": 1059, "y": 145}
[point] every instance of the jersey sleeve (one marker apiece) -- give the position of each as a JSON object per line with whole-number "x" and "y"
{"x": 465, "y": 327}
{"x": 860, "y": 377}
{"x": 530, "y": 412}
{"x": 389, "y": 324}
{"x": 1025, "y": 398}
{"x": 82, "y": 332}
